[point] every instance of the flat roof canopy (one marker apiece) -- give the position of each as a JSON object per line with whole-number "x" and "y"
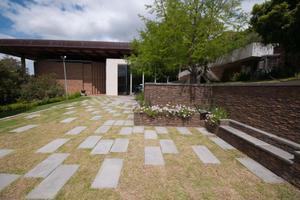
{"x": 54, "y": 49}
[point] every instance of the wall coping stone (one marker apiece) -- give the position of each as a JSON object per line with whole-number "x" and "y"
{"x": 282, "y": 84}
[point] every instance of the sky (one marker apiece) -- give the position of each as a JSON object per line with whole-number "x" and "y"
{"x": 106, "y": 20}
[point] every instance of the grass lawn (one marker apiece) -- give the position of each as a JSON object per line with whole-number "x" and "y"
{"x": 184, "y": 176}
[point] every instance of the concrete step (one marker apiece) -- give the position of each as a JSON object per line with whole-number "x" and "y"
{"x": 269, "y": 148}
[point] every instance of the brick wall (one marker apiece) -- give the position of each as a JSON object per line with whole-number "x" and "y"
{"x": 87, "y": 76}
{"x": 272, "y": 108}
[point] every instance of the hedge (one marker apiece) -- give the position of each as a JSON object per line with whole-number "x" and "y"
{"x": 19, "y": 107}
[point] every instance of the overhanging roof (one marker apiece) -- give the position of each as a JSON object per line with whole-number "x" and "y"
{"x": 54, "y": 49}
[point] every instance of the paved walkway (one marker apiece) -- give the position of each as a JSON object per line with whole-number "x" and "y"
{"x": 111, "y": 141}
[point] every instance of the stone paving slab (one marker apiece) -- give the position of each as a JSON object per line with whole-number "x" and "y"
{"x": 204, "y": 131}
{"x": 68, "y": 120}
{"x": 109, "y": 174}
{"x": 96, "y": 112}
{"x": 221, "y": 143}
{"x": 5, "y": 152}
{"x": 52, "y": 146}
{"x": 7, "y": 179}
{"x": 24, "y": 128}
{"x": 43, "y": 169}
{"x": 102, "y": 129}
{"x": 119, "y": 123}
{"x": 138, "y": 129}
{"x": 109, "y": 122}
{"x": 70, "y": 112}
{"x": 76, "y": 131}
{"x": 153, "y": 156}
{"x": 205, "y": 155}
{"x": 96, "y": 117}
{"x": 70, "y": 108}
{"x": 89, "y": 142}
{"x": 150, "y": 135}
{"x": 51, "y": 185}
{"x": 126, "y": 131}
{"x": 90, "y": 109}
{"x": 265, "y": 174}
{"x": 184, "y": 131}
{"x": 161, "y": 130}
{"x": 129, "y": 123}
{"x": 130, "y": 116}
{"x": 120, "y": 145}
{"x": 32, "y": 116}
{"x": 168, "y": 146}
{"x": 103, "y": 147}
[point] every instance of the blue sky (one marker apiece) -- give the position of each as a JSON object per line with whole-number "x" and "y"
{"x": 109, "y": 20}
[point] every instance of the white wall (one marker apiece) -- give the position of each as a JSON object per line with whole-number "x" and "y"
{"x": 112, "y": 75}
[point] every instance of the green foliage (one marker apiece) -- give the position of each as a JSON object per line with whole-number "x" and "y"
{"x": 41, "y": 87}
{"x": 187, "y": 34}
{"x": 140, "y": 98}
{"x": 278, "y": 21}
{"x": 241, "y": 76}
{"x": 216, "y": 115}
{"x": 19, "y": 107}
{"x": 11, "y": 79}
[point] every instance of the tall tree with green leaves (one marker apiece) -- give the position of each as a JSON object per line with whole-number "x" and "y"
{"x": 186, "y": 34}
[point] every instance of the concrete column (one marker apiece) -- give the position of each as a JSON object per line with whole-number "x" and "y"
{"x": 23, "y": 63}
{"x": 143, "y": 80}
{"x": 112, "y": 75}
{"x": 130, "y": 92}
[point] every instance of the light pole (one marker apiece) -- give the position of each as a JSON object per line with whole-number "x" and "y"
{"x": 65, "y": 75}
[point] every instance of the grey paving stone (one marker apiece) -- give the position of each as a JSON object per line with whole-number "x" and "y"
{"x": 120, "y": 145}
{"x": 96, "y": 117}
{"x": 89, "y": 142}
{"x": 24, "y": 128}
{"x": 130, "y": 116}
{"x": 184, "y": 131}
{"x": 150, "y": 135}
{"x": 116, "y": 114}
{"x": 205, "y": 155}
{"x": 102, "y": 129}
{"x": 221, "y": 143}
{"x": 77, "y": 130}
{"x": 43, "y": 169}
{"x": 129, "y": 123}
{"x": 5, "y": 152}
{"x": 109, "y": 174}
{"x": 7, "y": 179}
{"x": 96, "y": 112}
{"x": 109, "y": 122}
{"x": 153, "y": 156}
{"x": 204, "y": 131}
{"x": 51, "y": 185}
{"x": 68, "y": 120}
{"x": 70, "y": 108}
{"x": 90, "y": 109}
{"x": 32, "y": 116}
{"x": 161, "y": 130}
{"x": 102, "y": 147}
{"x": 126, "y": 131}
{"x": 52, "y": 146}
{"x": 260, "y": 171}
{"x": 138, "y": 129}
{"x": 70, "y": 112}
{"x": 168, "y": 146}
{"x": 119, "y": 123}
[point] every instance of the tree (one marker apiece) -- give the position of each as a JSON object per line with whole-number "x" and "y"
{"x": 11, "y": 79}
{"x": 186, "y": 34}
{"x": 278, "y": 21}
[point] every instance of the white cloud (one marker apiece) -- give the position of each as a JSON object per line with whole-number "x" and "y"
{"x": 248, "y": 4}
{"x": 115, "y": 20}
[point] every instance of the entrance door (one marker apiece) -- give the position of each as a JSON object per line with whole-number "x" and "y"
{"x": 123, "y": 80}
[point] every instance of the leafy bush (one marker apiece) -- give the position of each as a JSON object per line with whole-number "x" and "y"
{"x": 140, "y": 98}
{"x": 241, "y": 76}
{"x": 215, "y": 115}
{"x": 41, "y": 87}
{"x": 11, "y": 78}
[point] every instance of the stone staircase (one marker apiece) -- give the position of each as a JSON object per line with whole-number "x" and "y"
{"x": 278, "y": 154}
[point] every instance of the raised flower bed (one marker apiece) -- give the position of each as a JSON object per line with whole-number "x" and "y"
{"x": 167, "y": 115}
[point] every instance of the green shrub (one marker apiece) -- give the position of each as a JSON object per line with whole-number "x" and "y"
{"x": 216, "y": 114}
{"x": 140, "y": 98}
{"x": 41, "y": 87}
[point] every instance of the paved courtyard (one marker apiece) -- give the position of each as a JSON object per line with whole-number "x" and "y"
{"x": 90, "y": 149}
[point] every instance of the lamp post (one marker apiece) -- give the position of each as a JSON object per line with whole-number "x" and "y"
{"x": 65, "y": 75}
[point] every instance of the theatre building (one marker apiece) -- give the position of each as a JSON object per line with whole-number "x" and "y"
{"x": 93, "y": 66}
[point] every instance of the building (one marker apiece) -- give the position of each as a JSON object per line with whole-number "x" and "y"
{"x": 93, "y": 66}
{"x": 254, "y": 57}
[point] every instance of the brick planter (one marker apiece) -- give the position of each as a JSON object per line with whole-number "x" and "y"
{"x": 141, "y": 119}
{"x": 213, "y": 128}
